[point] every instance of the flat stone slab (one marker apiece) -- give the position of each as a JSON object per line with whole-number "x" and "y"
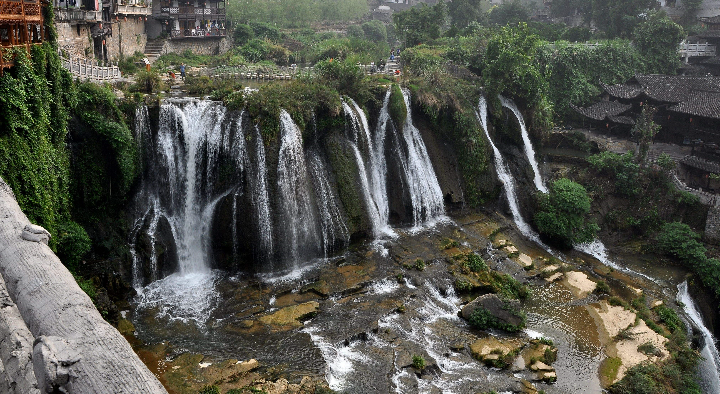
{"x": 525, "y": 260}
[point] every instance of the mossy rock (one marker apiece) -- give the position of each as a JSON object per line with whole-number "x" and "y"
{"x": 291, "y": 316}
{"x": 126, "y": 327}
{"x": 396, "y": 106}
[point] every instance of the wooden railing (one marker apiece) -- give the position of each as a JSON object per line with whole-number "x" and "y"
{"x": 199, "y": 33}
{"x": 133, "y": 10}
{"x": 90, "y": 70}
{"x": 19, "y": 11}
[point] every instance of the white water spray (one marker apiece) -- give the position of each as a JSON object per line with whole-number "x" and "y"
{"x": 709, "y": 366}
{"x": 529, "y": 151}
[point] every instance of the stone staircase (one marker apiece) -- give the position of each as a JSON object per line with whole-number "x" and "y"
{"x": 153, "y": 49}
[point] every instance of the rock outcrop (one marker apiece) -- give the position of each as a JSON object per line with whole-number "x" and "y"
{"x": 74, "y": 350}
{"x": 497, "y": 312}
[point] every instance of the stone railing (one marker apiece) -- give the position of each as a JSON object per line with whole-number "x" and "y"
{"x": 90, "y": 70}
{"x": 686, "y": 49}
{"x": 77, "y": 15}
{"x": 133, "y": 10}
{"x": 281, "y": 73}
{"x": 706, "y": 198}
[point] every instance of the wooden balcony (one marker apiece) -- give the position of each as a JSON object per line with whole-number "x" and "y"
{"x": 20, "y": 12}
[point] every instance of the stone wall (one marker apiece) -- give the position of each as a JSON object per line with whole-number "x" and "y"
{"x": 712, "y": 225}
{"x": 198, "y": 45}
{"x": 75, "y": 40}
{"x": 127, "y": 38}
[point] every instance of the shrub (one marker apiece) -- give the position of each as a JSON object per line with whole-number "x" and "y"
{"x": 72, "y": 244}
{"x": 418, "y": 362}
{"x": 475, "y": 263}
{"x": 420, "y": 264}
{"x": 209, "y": 390}
{"x": 602, "y": 287}
{"x": 148, "y": 82}
{"x": 242, "y": 34}
{"x": 344, "y": 74}
{"x": 355, "y": 31}
{"x": 375, "y": 31}
{"x": 396, "y": 106}
{"x": 622, "y": 168}
{"x": 482, "y": 319}
{"x": 561, "y": 217}
{"x": 669, "y": 318}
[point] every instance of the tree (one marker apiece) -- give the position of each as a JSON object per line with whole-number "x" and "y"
{"x": 464, "y": 12}
{"x": 560, "y": 8}
{"x": 561, "y": 217}
{"x": 645, "y": 130}
{"x": 509, "y": 14}
{"x": 375, "y": 31}
{"x": 657, "y": 40}
{"x": 511, "y": 68}
{"x": 420, "y": 23}
{"x": 618, "y": 18}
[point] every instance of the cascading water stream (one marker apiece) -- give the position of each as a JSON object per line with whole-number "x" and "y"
{"x": 505, "y": 177}
{"x": 526, "y": 140}
{"x": 331, "y": 220}
{"x": 179, "y": 189}
{"x": 709, "y": 366}
{"x": 378, "y": 168}
{"x": 356, "y": 127}
{"x": 300, "y": 235}
{"x": 261, "y": 198}
{"x": 425, "y": 192}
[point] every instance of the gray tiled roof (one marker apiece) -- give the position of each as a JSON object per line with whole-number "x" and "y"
{"x": 609, "y": 110}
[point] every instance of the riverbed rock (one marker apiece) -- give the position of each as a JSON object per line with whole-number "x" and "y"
{"x": 537, "y": 351}
{"x": 525, "y": 260}
{"x": 290, "y": 316}
{"x": 546, "y": 376}
{"x": 579, "y": 283}
{"x": 494, "y": 351}
{"x": 504, "y": 311}
{"x": 35, "y": 233}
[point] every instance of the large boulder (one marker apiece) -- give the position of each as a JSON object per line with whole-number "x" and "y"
{"x": 490, "y": 311}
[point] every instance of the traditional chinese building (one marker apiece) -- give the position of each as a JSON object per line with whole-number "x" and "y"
{"x": 21, "y": 25}
{"x": 178, "y": 19}
{"x": 688, "y": 107}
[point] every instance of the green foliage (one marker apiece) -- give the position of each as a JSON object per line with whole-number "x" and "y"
{"x": 396, "y": 106}
{"x": 375, "y": 31}
{"x": 680, "y": 241}
{"x": 418, "y": 362}
{"x": 573, "y": 71}
{"x": 482, "y": 319}
{"x": 618, "y": 18}
{"x": 475, "y": 263}
{"x": 148, "y": 82}
{"x": 344, "y": 75}
{"x": 691, "y": 8}
{"x": 296, "y": 13}
{"x": 562, "y": 212}
{"x": 464, "y": 12}
{"x": 209, "y": 390}
{"x": 645, "y": 130}
{"x": 188, "y": 57}
{"x": 242, "y": 34}
{"x": 561, "y": 8}
{"x": 424, "y": 61}
{"x": 303, "y": 99}
{"x": 665, "y": 162}
{"x": 669, "y": 318}
{"x": 35, "y": 96}
{"x": 657, "y": 39}
{"x": 204, "y": 85}
{"x": 73, "y": 243}
{"x": 355, "y": 31}
{"x": 511, "y": 68}
{"x": 257, "y": 50}
{"x": 622, "y": 168}
{"x": 420, "y": 24}
{"x": 602, "y": 287}
{"x": 127, "y": 63}
{"x": 105, "y": 156}
{"x": 509, "y": 14}
{"x": 420, "y": 264}
{"x": 317, "y": 49}
{"x": 87, "y": 286}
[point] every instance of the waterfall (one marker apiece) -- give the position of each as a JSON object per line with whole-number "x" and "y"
{"x": 360, "y": 134}
{"x": 425, "y": 193}
{"x": 529, "y": 152}
{"x": 261, "y": 199}
{"x": 332, "y": 224}
{"x": 378, "y": 168}
{"x": 195, "y": 160}
{"x": 708, "y": 366}
{"x": 505, "y": 176}
{"x": 300, "y": 237}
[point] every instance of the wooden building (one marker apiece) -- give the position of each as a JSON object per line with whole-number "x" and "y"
{"x": 688, "y": 106}
{"x": 191, "y": 18}
{"x": 21, "y": 25}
